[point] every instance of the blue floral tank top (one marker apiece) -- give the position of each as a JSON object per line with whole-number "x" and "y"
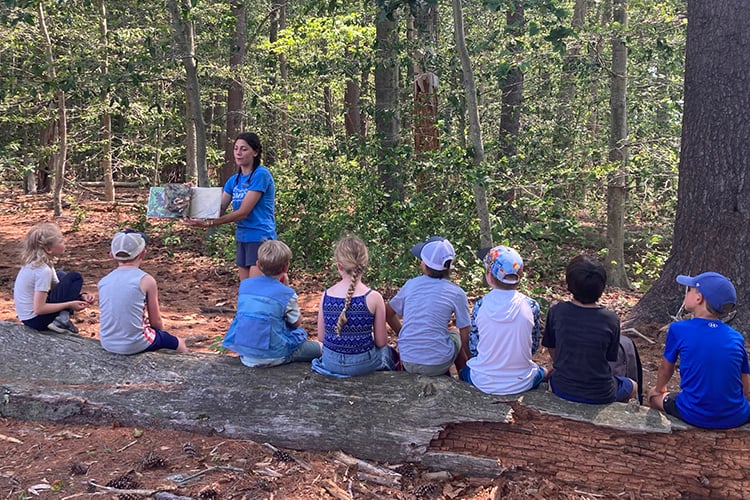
{"x": 356, "y": 334}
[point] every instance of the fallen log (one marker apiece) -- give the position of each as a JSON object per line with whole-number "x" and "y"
{"x": 441, "y": 423}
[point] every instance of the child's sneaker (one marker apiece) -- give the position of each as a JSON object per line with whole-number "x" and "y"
{"x": 62, "y": 324}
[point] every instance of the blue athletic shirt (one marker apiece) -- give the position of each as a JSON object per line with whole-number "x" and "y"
{"x": 260, "y": 224}
{"x": 712, "y": 361}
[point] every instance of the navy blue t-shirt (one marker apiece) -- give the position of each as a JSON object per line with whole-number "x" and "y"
{"x": 585, "y": 340}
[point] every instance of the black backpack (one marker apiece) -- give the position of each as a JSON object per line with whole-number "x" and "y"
{"x": 628, "y": 364}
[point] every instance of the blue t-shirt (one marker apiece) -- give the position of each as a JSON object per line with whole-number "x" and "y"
{"x": 426, "y": 306}
{"x": 712, "y": 361}
{"x": 260, "y": 224}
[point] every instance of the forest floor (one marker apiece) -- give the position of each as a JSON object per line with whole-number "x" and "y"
{"x": 70, "y": 461}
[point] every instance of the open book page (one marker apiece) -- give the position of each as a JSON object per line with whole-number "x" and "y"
{"x": 182, "y": 200}
{"x": 205, "y": 203}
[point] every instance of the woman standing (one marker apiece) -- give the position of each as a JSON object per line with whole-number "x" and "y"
{"x": 251, "y": 192}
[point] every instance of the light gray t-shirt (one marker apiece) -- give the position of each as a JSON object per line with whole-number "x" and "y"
{"x": 29, "y": 280}
{"x": 122, "y": 328}
{"x": 426, "y": 306}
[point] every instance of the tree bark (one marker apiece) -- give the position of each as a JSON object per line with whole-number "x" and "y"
{"x": 512, "y": 89}
{"x": 618, "y": 153}
{"x": 387, "y": 116}
{"x": 425, "y": 79}
{"x": 475, "y": 129}
{"x": 105, "y": 134}
{"x": 440, "y": 422}
{"x": 185, "y": 41}
{"x": 60, "y": 157}
{"x": 712, "y": 223}
{"x": 236, "y": 92}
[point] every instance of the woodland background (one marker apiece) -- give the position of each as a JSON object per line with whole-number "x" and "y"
{"x": 310, "y": 76}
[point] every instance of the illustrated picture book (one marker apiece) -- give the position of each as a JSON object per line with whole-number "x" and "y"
{"x": 183, "y": 200}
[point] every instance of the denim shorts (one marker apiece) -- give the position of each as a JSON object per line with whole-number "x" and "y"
{"x": 352, "y": 365}
{"x": 306, "y": 351}
{"x": 465, "y": 375}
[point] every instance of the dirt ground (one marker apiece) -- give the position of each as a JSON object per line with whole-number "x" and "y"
{"x": 71, "y": 461}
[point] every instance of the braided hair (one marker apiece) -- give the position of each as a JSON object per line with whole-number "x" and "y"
{"x": 351, "y": 254}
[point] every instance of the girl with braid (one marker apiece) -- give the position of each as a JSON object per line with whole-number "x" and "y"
{"x": 351, "y": 319}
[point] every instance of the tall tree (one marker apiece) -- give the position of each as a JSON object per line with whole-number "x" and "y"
{"x": 512, "y": 84}
{"x": 60, "y": 156}
{"x": 475, "y": 128}
{"x": 425, "y": 14}
{"x": 387, "y": 115}
{"x": 182, "y": 25}
{"x": 618, "y": 151}
{"x": 105, "y": 132}
{"x": 236, "y": 92}
{"x": 712, "y": 224}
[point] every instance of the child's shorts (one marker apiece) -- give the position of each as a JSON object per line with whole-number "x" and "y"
{"x": 624, "y": 389}
{"x": 162, "y": 340}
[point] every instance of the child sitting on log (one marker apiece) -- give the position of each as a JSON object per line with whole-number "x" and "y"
{"x": 421, "y": 312}
{"x": 129, "y": 313}
{"x": 505, "y": 331}
{"x": 583, "y": 337}
{"x": 351, "y": 319}
{"x": 714, "y": 371}
{"x": 43, "y": 297}
{"x": 266, "y": 332}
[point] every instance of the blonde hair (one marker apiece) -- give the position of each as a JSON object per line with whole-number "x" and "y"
{"x": 37, "y": 241}
{"x": 351, "y": 254}
{"x": 273, "y": 256}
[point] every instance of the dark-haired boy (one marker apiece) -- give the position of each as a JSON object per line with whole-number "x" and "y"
{"x": 583, "y": 337}
{"x": 714, "y": 370}
{"x": 427, "y": 304}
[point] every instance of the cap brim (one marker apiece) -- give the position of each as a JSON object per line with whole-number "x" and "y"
{"x": 685, "y": 280}
{"x": 482, "y": 252}
{"x": 416, "y": 250}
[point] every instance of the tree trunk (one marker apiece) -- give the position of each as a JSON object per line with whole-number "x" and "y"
{"x": 475, "y": 129}
{"x": 278, "y": 23}
{"x": 425, "y": 80}
{"x": 106, "y": 122}
{"x": 185, "y": 41}
{"x": 387, "y": 117}
{"x": 712, "y": 224}
{"x": 510, "y": 114}
{"x": 353, "y": 111}
{"x": 236, "y": 92}
{"x": 618, "y": 152}
{"x": 59, "y": 158}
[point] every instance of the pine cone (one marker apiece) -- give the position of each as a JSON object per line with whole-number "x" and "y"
{"x": 407, "y": 470}
{"x": 129, "y": 496}
{"x": 78, "y": 469}
{"x": 189, "y": 449}
{"x": 264, "y": 484}
{"x": 282, "y": 456}
{"x": 427, "y": 490}
{"x": 151, "y": 461}
{"x": 208, "y": 494}
{"x": 124, "y": 482}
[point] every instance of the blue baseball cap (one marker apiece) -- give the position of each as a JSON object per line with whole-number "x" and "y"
{"x": 715, "y": 288}
{"x": 504, "y": 263}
